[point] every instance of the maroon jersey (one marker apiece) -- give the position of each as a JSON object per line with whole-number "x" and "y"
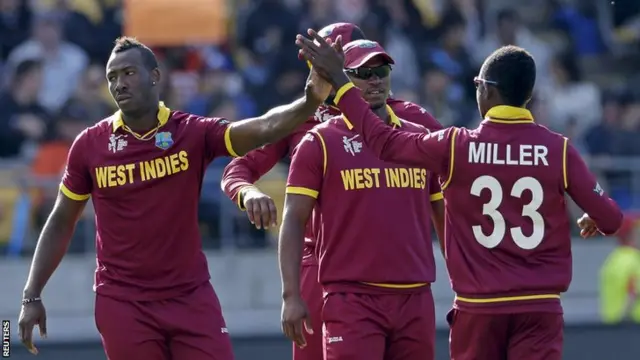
{"x": 246, "y": 170}
{"x": 508, "y": 243}
{"x": 145, "y": 194}
{"x": 243, "y": 171}
{"x": 373, "y": 226}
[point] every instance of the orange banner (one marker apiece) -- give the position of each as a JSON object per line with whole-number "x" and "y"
{"x": 176, "y": 22}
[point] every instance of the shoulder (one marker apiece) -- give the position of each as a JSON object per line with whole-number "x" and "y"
{"x": 185, "y": 118}
{"x": 414, "y": 113}
{"x": 550, "y": 135}
{"x": 333, "y": 125}
{"x": 323, "y": 113}
{"x": 413, "y": 127}
{"x": 102, "y": 128}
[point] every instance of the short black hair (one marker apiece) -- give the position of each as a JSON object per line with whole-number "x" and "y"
{"x": 514, "y": 69}
{"x": 125, "y": 43}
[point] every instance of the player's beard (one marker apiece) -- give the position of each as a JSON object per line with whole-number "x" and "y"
{"x": 375, "y": 107}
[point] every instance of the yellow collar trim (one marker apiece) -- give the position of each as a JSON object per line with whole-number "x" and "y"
{"x": 394, "y": 120}
{"x": 504, "y": 114}
{"x": 163, "y": 116}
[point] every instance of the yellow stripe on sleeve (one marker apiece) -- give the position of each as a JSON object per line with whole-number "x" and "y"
{"x": 437, "y": 196}
{"x": 451, "y": 158}
{"x": 240, "y": 196}
{"x": 324, "y": 151}
{"x": 564, "y": 163}
{"x": 71, "y": 195}
{"x": 302, "y": 191}
{"x": 341, "y": 91}
{"x": 227, "y": 142}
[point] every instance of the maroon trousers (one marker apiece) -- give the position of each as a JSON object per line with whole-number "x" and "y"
{"x": 379, "y": 327}
{"x": 188, "y": 327}
{"x": 523, "y": 336}
{"x": 312, "y": 294}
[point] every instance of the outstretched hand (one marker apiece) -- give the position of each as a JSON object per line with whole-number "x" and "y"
{"x": 326, "y": 57}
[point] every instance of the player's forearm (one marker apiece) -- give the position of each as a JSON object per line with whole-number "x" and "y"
{"x": 389, "y": 145}
{"x": 51, "y": 248}
{"x": 236, "y": 176}
{"x": 606, "y": 214}
{"x": 290, "y": 255}
{"x": 585, "y": 190}
{"x": 244, "y": 171}
{"x": 250, "y": 134}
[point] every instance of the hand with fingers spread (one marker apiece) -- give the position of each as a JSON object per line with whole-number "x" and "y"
{"x": 32, "y": 314}
{"x": 296, "y": 320}
{"x": 326, "y": 57}
{"x": 261, "y": 210}
{"x": 587, "y": 227}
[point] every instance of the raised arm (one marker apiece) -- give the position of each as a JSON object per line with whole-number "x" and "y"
{"x": 430, "y": 151}
{"x": 585, "y": 190}
{"x": 303, "y": 186}
{"x": 55, "y": 238}
{"x": 246, "y": 135}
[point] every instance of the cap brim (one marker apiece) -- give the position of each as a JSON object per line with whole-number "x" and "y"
{"x": 363, "y": 60}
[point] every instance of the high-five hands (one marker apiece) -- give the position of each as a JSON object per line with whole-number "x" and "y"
{"x": 325, "y": 56}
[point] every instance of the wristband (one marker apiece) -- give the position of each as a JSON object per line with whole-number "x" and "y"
{"x": 31, "y": 300}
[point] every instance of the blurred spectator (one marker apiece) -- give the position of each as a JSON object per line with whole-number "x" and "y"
{"x": 267, "y": 39}
{"x": 580, "y": 22}
{"x": 92, "y": 95}
{"x": 573, "y": 104}
{"x": 512, "y": 31}
{"x": 402, "y": 39}
{"x": 50, "y": 159}
{"x": 600, "y": 138}
{"x": 15, "y": 22}
{"x": 620, "y": 277}
{"x": 93, "y": 25}
{"x": 22, "y": 117}
{"x": 451, "y": 56}
{"x": 441, "y": 97}
{"x": 63, "y": 62}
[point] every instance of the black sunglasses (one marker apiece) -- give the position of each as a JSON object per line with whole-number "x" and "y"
{"x": 365, "y": 73}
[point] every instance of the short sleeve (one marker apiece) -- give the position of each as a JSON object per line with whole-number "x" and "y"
{"x": 307, "y": 166}
{"x": 217, "y": 138}
{"x": 76, "y": 181}
{"x": 435, "y": 191}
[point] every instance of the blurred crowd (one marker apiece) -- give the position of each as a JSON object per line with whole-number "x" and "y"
{"x": 53, "y": 52}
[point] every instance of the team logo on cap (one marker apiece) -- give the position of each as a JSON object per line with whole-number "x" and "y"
{"x": 366, "y": 44}
{"x": 324, "y": 32}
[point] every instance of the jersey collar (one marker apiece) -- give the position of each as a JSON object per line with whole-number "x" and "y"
{"x": 163, "y": 116}
{"x": 504, "y": 114}
{"x": 394, "y": 120}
